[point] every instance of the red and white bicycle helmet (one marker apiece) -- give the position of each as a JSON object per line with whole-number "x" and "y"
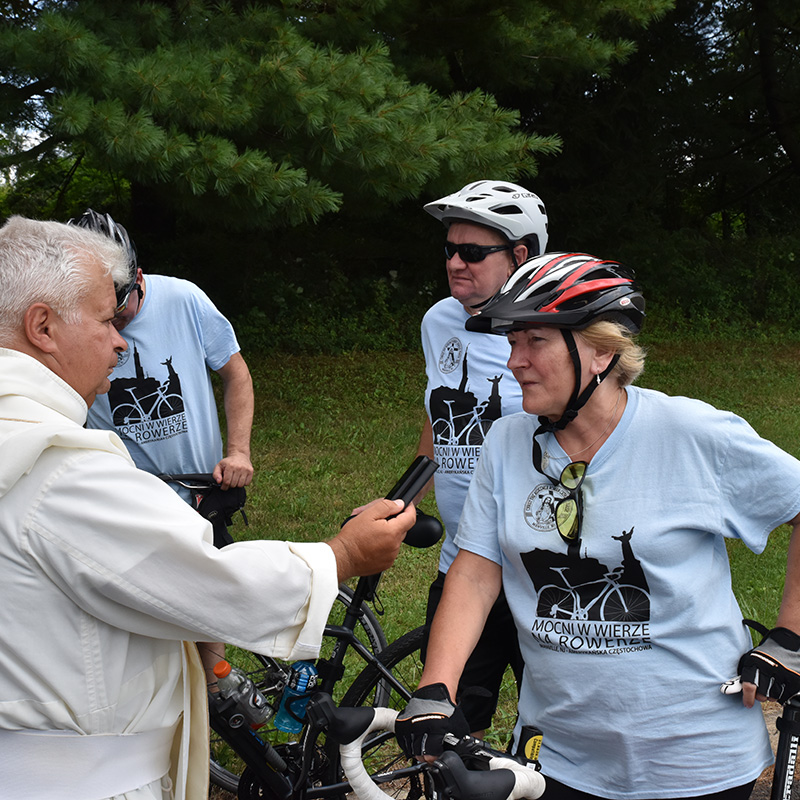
{"x": 511, "y": 209}
{"x": 568, "y": 291}
{"x": 565, "y": 290}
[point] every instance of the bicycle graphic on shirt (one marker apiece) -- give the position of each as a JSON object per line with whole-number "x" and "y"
{"x": 165, "y": 399}
{"x": 618, "y": 602}
{"x": 156, "y": 405}
{"x": 473, "y": 431}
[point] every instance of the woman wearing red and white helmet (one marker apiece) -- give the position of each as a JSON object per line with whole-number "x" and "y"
{"x": 602, "y": 512}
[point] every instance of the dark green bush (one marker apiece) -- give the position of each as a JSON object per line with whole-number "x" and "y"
{"x": 720, "y": 286}
{"x": 335, "y": 315}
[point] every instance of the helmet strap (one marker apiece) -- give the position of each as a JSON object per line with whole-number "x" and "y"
{"x": 578, "y": 399}
{"x": 483, "y": 303}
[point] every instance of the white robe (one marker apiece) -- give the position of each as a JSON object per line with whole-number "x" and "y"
{"x": 105, "y": 573}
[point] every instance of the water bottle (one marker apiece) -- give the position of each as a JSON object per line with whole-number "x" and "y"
{"x": 302, "y": 679}
{"x": 250, "y": 703}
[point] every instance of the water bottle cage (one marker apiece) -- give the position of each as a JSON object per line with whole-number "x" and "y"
{"x": 228, "y": 709}
{"x": 296, "y": 699}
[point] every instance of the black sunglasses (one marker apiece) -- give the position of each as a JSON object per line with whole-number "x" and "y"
{"x": 123, "y": 304}
{"x": 124, "y": 294}
{"x": 472, "y": 253}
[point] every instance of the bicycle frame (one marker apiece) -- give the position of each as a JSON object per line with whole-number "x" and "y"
{"x": 263, "y": 761}
{"x": 265, "y": 765}
{"x": 332, "y": 669}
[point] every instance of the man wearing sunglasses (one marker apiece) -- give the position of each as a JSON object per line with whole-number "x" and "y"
{"x": 161, "y": 400}
{"x": 492, "y": 228}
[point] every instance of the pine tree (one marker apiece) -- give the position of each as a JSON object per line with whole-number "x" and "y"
{"x": 275, "y": 113}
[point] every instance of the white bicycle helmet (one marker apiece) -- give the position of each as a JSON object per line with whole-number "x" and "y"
{"x": 511, "y": 209}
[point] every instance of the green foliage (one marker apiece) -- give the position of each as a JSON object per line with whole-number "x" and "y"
{"x": 455, "y": 45}
{"x": 681, "y": 137}
{"x": 371, "y": 292}
{"x": 334, "y": 315}
{"x": 716, "y": 284}
{"x": 61, "y": 188}
{"x": 237, "y": 104}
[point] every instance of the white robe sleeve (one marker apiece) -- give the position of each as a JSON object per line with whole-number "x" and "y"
{"x": 125, "y": 548}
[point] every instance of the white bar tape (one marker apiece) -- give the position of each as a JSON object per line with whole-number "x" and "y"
{"x": 528, "y": 783}
{"x": 353, "y": 766}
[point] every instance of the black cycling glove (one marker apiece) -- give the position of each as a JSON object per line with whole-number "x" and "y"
{"x": 774, "y": 666}
{"x": 429, "y": 715}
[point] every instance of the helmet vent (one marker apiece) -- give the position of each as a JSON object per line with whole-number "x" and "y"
{"x": 577, "y": 302}
{"x": 507, "y": 210}
{"x": 537, "y": 289}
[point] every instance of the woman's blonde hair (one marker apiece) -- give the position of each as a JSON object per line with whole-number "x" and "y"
{"x": 607, "y": 335}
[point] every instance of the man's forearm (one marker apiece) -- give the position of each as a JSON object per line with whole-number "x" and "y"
{"x": 789, "y": 614}
{"x": 239, "y": 404}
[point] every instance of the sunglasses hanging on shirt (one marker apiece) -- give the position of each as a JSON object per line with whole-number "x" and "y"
{"x": 569, "y": 509}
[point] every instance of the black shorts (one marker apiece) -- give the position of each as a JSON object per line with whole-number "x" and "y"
{"x": 497, "y": 649}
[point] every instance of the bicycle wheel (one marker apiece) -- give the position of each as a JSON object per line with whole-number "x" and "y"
{"x": 381, "y": 752}
{"x": 477, "y": 433}
{"x": 555, "y": 603}
{"x": 442, "y": 432}
{"x": 626, "y": 604}
{"x": 270, "y": 675}
{"x": 127, "y": 414}
{"x": 168, "y": 406}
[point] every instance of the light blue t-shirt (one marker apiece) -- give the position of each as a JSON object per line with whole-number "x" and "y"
{"x": 626, "y": 644}
{"x": 161, "y": 400}
{"x": 469, "y": 387}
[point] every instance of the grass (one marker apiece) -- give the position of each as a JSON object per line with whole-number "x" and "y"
{"x": 332, "y": 432}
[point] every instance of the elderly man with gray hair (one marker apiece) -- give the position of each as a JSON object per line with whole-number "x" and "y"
{"x": 103, "y": 564}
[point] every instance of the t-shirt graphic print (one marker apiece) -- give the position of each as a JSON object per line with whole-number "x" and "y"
{"x": 460, "y": 420}
{"x": 161, "y": 401}
{"x": 469, "y": 387}
{"x": 148, "y": 408}
{"x": 585, "y": 605}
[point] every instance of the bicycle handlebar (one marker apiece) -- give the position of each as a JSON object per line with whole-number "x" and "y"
{"x": 503, "y": 778}
{"x": 190, "y": 480}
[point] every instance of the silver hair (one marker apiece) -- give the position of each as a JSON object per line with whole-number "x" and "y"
{"x": 46, "y": 262}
